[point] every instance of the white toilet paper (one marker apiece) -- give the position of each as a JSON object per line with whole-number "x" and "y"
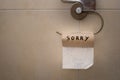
{"x": 78, "y": 54}
{"x": 77, "y": 58}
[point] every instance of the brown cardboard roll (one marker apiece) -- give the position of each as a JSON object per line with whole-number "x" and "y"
{"x": 78, "y": 39}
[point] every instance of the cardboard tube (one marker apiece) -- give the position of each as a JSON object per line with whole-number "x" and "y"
{"x": 78, "y": 40}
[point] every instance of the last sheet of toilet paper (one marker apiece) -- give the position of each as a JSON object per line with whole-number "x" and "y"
{"x": 77, "y": 57}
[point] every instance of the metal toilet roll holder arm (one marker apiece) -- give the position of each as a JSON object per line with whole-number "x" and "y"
{"x": 81, "y": 8}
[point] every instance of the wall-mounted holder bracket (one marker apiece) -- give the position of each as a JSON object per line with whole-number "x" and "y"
{"x": 81, "y": 8}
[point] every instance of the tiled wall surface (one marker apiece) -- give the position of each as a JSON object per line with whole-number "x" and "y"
{"x": 30, "y": 49}
{"x": 52, "y": 4}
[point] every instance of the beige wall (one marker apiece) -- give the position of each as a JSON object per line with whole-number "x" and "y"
{"x": 30, "y": 49}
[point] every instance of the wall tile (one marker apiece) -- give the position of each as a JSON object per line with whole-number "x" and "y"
{"x": 33, "y": 4}
{"x": 53, "y": 4}
{"x": 30, "y": 49}
{"x": 108, "y": 4}
{"x": 107, "y": 48}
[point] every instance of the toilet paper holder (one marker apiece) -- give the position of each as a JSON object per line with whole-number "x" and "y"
{"x": 81, "y": 8}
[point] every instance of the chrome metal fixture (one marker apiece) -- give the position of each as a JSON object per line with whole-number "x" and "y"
{"x": 81, "y": 8}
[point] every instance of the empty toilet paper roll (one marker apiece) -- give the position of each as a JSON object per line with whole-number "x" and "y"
{"x": 78, "y": 39}
{"x": 78, "y": 51}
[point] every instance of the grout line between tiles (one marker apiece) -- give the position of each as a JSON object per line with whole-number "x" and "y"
{"x": 33, "y": 9}
{"x": 30, "y": 10}
{"x": 54, "y": 9}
